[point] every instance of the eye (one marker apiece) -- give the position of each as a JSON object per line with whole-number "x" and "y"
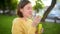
{"x": 28, "y": 8}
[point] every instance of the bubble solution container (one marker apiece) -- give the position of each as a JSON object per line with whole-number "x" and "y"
{"x": 39, "y": 28}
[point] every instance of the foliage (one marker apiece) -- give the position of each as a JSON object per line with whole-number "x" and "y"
{"x": 39, "y": 5}
{"x": 8, "y": 4}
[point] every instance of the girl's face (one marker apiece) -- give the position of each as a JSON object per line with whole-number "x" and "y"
{"x": 27, "y": 10}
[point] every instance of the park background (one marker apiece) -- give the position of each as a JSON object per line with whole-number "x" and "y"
{"x": 49, "y": 10}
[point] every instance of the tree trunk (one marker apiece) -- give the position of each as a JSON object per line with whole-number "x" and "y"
{"x": 48, "y": 10}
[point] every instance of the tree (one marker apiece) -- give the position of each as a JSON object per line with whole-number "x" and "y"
{"x": 48, "y": 10}
{"x": 8, "y": 4}
{"x": 12, "y": 5}
{"x": 39, "y": 5}
{"x": 58, "y": 0}
{"x": 3, "y": 5}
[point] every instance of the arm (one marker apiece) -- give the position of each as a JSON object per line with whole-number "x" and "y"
{"x": 17, "y": 27}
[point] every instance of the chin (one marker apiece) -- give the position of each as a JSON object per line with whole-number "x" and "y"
{"x": 30, "y": 16}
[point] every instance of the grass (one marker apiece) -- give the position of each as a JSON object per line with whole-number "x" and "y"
{"x": 6, "y": 24}
{"x": 51, "y": 28}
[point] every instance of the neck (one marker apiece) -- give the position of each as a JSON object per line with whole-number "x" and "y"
{"x": 25, "y": 18}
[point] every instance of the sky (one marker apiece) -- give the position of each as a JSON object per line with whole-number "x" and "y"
{"x": 47, "y": 2}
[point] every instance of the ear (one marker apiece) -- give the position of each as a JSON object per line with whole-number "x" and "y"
{"x": 21, "y": 10}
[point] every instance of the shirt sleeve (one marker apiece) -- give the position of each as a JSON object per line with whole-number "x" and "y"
{"x": 20, "y": 27}
{"x": 17, "y": 27}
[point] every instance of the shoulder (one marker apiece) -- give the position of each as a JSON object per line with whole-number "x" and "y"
{"x": 17, "y": 20}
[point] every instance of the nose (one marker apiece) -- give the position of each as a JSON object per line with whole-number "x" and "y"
{"x": 30, "y": 12}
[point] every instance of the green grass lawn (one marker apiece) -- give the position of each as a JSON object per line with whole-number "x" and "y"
{"x": 6, "y": 24}
{"x": 51, "y": 28}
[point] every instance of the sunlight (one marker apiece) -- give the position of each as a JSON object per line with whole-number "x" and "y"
{"x": 32, "y": 2}
{"x": 47, "y": 2}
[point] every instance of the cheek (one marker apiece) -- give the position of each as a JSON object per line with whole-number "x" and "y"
{"x": 27, "y": 12}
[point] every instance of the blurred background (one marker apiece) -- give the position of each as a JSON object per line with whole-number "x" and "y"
{"x": 49, "y": 10}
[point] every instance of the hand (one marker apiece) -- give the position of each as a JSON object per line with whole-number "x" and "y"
{"x": 42, "y": 30}
{"x": 36, "y": 21}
